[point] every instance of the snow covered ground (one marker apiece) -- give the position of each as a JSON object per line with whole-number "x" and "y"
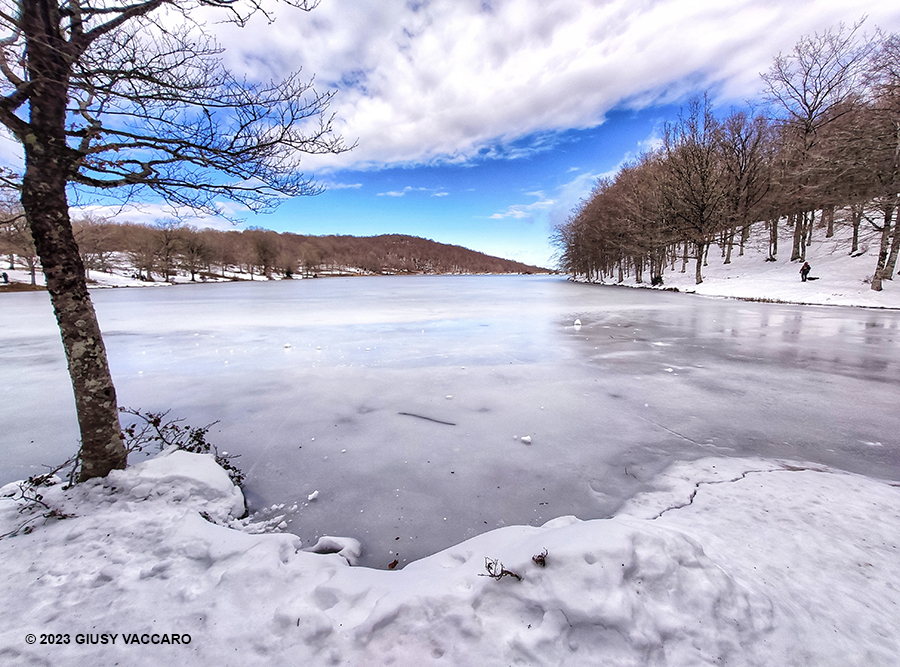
{"x": 841, "y": 279}
{"x": 724, "y": 561}
{"x": 727, "y": 561}
{"x": 123, "y": 276}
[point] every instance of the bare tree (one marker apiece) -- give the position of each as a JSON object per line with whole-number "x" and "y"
{"x": 745, "y": 141}
{"x": 310, "y": 258}
{"x": 103, "y": 96}
{"x": 225, "y": 248}
{"x": 15, "y": 237}
{"x": 695, "y": 181}
{"x": 266, "y": 248}
{"x": 142, "y": 248}
{"x": 885, "y": 131}
{"x": 195, "y": 251}
{"x": 96, "y": 239}
{"x": 625, "y": 226}
{"x": 168, "y": 236}
{"x": 642, "y": 202}
{"x": 812, "y": 86}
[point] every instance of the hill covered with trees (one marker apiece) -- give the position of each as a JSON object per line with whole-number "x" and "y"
{"x": 169, "y": 249}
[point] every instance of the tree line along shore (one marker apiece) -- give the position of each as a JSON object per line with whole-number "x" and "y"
{"x": 169, "y": 250}
{"x": 823, "y": 151}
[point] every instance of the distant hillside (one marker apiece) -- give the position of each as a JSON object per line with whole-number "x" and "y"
{"x": 397, "y": 253}
{"x": 171, "y": 252}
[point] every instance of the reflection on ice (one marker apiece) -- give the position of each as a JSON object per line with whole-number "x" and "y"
{"x": 410, "y": 413}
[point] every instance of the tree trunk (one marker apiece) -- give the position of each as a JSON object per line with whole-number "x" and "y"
{"x": 856, "y": 215}
{"x": 809, "y": 221}
{"x": 878, "y": 276}
{"x": 773, "y": 237}
{"x": 828, "y": 214}
{"x": 102, "y": 448}
{"x": 701, "y": 251}
{"x": 794, "y": 219}
{"x": 803, "y": 221}
{"x": 745, "y": 236}
{"x": 805, "y": 226}
{"x": 729, "y": 242}
{"x": 47, "y": 211}
{"x": 891, "y": 264}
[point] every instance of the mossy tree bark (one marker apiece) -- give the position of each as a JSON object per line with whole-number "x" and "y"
{"x": 48, "y": 168}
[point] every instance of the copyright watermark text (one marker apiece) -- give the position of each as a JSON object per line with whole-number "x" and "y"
{"x": 111, "y": 638}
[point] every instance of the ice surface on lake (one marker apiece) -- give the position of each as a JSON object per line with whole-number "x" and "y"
{"x": 406, "y": 403}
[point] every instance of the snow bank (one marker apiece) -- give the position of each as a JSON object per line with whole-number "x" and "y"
{"x": 726, "y": 562}
{"x": 840, "y": 279}
{"x": 123, "y": 276}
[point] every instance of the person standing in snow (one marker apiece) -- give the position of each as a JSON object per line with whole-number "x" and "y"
{"x": 804, "y": 271}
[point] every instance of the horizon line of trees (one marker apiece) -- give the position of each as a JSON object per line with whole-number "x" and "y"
{"x": 163, "y": 250}
{"x": 824, "y": 151}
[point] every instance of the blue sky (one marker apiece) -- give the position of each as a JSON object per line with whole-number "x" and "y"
{"x": 484, "y": 122}
{"x": 503, "y": 206}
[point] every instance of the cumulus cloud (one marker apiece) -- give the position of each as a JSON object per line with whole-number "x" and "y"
{"x": 422, "y": 82}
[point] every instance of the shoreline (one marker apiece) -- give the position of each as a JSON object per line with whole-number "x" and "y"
{"x": 115, "y": 281}
{"x": 732, "y": 297}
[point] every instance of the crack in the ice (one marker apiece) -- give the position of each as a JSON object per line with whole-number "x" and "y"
{"x": 697, "y": 485}
{"x": 675, "y": 433}
{"x": 430, "y": 419}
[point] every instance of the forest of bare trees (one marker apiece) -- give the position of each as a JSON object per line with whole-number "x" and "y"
{"x": 168, "y": 249}
{"x": 824, "y": 151}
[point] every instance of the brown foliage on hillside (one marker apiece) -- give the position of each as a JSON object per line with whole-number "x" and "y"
{"x": 157, "y": 252}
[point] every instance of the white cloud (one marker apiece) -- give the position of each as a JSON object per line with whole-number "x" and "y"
{"x": 331, "y": 185}
{"x": 522, "y": 211}
{"x": 449, "y": 80}
{"x": 151, "y": 213}
{"x": 435, "y": 192}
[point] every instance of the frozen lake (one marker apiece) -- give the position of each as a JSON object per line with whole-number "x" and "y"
{"x": 403, "y": 401}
